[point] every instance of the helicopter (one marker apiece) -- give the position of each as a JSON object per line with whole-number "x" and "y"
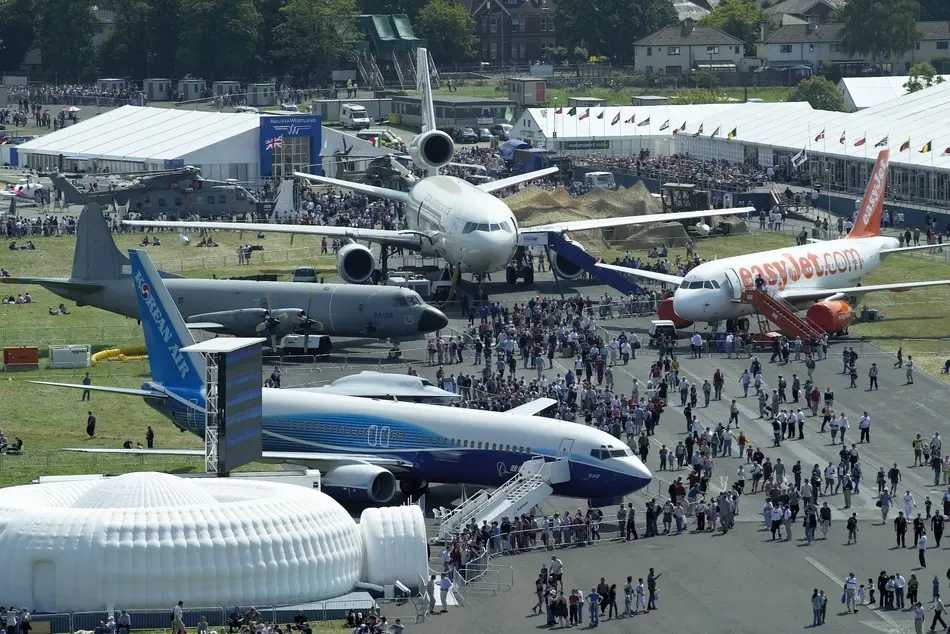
{"x": 177, "y": 193}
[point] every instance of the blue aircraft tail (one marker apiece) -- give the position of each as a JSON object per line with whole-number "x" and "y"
{"x": 165, "y": 330}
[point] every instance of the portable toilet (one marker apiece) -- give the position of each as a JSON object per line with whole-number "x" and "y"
{"x": 261, "y": 94}
{"x": 191, "y": 88}
{"x": 110, "y": 85}
{"x": 158, "y": 89}
{"x": 221, "y": 88}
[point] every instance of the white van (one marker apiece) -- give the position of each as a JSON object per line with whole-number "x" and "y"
{"x": 289, "y": 107}
{"x": 248, "y": 109}
{"x": 353, "y": 116}
{"x": 599, "y": 179}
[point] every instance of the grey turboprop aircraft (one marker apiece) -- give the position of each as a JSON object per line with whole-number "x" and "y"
{"x": 100, "y": 278}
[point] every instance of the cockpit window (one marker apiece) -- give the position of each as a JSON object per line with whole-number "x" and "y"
{"x": 496, "y": 227}
{"x": 708, "y": 284}
{"x": 600, "y": 454}
{"x": 413, "y": 300}
{"x": 469, "y": 227}
{"x": 715, "y": 284}
{"x": 482, "y": 227}
{"x": 685, "y": 284}
{"x": 620, "y": 453}
{"x": 400, "y": 301}
{"x": 695, "y": 285}
{"x": 506, "y": 227}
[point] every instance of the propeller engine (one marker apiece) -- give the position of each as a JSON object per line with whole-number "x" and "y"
{"x": 355, "y": 263}
{"x": 434, "y": 149}
{"x": 276, "y": 324}
{"x": 306, "y": 325}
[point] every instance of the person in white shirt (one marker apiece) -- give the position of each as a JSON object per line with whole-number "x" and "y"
{"x": 910, "y": 370}
{"x": 909, "y": 503}
{"x": 850, "y": 585}
{"x": 177, "y": 624}
{"x": 444, "y": 586}
{"x": 922, "y": 549}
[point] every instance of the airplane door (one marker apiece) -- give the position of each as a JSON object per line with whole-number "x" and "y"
{"x": 735, "y": 283}
{"x": 564, "y": 450}
{"x": 371, "y": 435}
{"x": 384, "y": 434}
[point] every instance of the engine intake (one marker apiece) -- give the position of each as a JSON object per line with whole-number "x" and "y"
{"x": 355, "y": 263}
{"x": 434, "y": 149}
{"x": 564, "y": 268}
{"x": 360, "y": 483}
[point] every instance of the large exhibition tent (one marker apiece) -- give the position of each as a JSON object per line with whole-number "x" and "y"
{"x": 864, "y": 92}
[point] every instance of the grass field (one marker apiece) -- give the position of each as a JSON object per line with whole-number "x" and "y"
{"x": 614, "y": 97}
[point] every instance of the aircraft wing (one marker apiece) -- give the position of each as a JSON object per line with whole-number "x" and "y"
{"x": 125, "y": 391}
{"x": 839, "y": 293}
{"x": 650, "y": 275}
{"x": 53, "y": 283}
{"x": 494, "y": 186}
{"x": 308, "y": 457}
{"x": 533, "y": 408}
{"x": 363, "y": 188}
{"x": 604, "y": 223}
{"x": 886, "y": 252}
{"x": 406, "y": 239}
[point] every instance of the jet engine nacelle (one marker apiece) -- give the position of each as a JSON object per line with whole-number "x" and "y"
{"x": 831, "y": 316}
{"x": 564, "y": 268}
{"x": 434, "y": 149}
{"x": 355, "y": 263}
{"x": 360, "y": 483}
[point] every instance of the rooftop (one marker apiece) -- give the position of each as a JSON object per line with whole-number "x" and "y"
{"x": 800, "y": 33}
{"x": 698, "y": 36}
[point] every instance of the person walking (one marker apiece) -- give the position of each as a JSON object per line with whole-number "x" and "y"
{"x": 86, "y": 394}
{"x": 91, "y": 425}
{"x": 178, "y": 626}
{"x": 850, "y": 585}
{"x": 444, "y": 587}
{"x": 919, "y": 618}
{"x": 910, "y": 370}
{"x": 922, "y": 549}
{"x": 937, "y": 608}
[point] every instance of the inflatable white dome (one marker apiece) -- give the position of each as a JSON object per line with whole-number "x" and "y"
{"x": 146, "y": 540}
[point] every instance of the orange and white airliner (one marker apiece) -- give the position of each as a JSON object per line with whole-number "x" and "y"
{"x": 822, "y": 276}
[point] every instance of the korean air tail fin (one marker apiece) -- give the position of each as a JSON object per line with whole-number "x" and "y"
{"x": 868, "y": 222}
{"x": 165, "y": 330}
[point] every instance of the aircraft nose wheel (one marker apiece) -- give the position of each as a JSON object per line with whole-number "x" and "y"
{"x": 744, "y": 324}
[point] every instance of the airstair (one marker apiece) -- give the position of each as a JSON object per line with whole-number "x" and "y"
{"x": 779, "y": 312}
{"x": 433, "y": 71}
{"x": 397, "y": 66}
{"x": 527, "y": 488}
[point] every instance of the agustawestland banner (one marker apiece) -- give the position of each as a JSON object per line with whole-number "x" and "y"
{"x": 274, "y": 130}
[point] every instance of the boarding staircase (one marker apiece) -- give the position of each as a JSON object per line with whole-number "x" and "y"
{"x": 779, "y": 312}
{"x": 527, "y": 488}
{"x": 401, "y": 75}
{"x": 433, "y": 71}
{"x": 369, "y": 70}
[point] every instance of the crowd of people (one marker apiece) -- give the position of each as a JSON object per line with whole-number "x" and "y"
{"x": 68, "y": 94}
{"x": 718, "y": 174}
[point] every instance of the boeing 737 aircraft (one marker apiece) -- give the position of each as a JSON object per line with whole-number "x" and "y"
{"x": 363, "y": 445}
{"x": 820, "y": 275}
{"x": 446, "y": 217}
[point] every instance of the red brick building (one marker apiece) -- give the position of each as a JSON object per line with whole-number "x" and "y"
{"x": 512, "y": 31}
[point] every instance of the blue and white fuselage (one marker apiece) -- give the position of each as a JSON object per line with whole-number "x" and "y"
{"x": 442, "y": 444}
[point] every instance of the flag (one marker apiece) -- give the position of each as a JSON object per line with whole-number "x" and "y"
{"x": 732, "y": 135}
{"x": 861, "y": 141}
{"x": 632, "y": 119}
{"x": 615, "y": 120}
{"x": 821, "y": 135}
{"x": 905, "y": 145}
{"x": 601, "y": 115}
{"x": 273, "y": 144}
{"x": 700, "y": 131}
{"x": 682, "y": 128}
{"x": 509, "y": 114}
{"x": 572, "y": 111}
{"x": 558, "y": 110}
{"x": 644, "y": 122}
{"x": 585, "y": 115}
{"x": 800, "y": 159}
{"x": 715, "y": 133}
{"x": 665, "y": 125}
{"x": 881, "y": 143}
{"x": 926, "y": 147}
{"x": 842, "y": 139}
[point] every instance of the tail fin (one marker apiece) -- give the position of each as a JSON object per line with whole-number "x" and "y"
{"x": 97, "y": 257}
{"x": 868, "y": 223}
{"x": 73, "y": 196}
{"x": 284, "y": 205}
{"x": 424, "y": 86}
{"x": 165, "y": 330}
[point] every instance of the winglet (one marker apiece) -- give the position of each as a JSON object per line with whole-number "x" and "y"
{"x": 868, "y": 223}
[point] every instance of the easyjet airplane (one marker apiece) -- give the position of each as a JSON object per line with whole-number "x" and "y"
{"x": 820, "y": 276}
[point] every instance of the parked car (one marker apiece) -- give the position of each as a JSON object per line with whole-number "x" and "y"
{"x": 501, "y": 130}
{"x": 466, "y": 135}
{"x": 484, "y": 135}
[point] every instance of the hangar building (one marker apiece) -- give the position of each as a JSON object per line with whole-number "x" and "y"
{"x": 247, "y": 147}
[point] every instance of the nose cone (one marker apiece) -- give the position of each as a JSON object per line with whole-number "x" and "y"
{"x": 488, "y": 251}
{"x": 688, "y": 305}
{"x": 432, "y": 319}
{"x": 638, "y": 471}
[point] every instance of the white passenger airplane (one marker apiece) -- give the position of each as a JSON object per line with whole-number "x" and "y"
{"x": 24, "y": 192}
{"x": 820, "y": 275}
{"x": 363, "y": 445}
{"x": 446, "y": 217}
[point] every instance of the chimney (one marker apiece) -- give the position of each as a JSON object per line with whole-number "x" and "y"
{"x": 688, "y": 26}
{"x": 812, "y": 24}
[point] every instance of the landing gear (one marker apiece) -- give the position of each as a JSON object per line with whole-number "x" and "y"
{"x": 513, "y": 272}
{"x": 413, "y": 486}
{"x": 744, "y": 324}
{"x": 714, "y": 325}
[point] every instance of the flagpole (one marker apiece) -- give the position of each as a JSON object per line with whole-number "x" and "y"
{"x": 865, "y": 145}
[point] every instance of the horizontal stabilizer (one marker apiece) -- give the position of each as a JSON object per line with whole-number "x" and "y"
{"x": 125, "y": 391}
{"x": 623, "y": 221}
{"x": 362, "y": 188}
{"x": 839, "y": 293}
{"x": 205, "y": 325}
{"x": 919, "y": 247}
{"x": 533, "y": 408}
{"x": 326, "y": 459}
{"x": 650, "y": 275}
{"x": 51, "y": 283}
{"x": 494, "y": 186}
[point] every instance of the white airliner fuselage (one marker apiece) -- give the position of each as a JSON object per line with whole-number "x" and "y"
{"x": 463, "y": 224}
{"x": 707, "y": 291}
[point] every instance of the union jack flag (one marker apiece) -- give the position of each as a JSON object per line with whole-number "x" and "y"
{"x": 272, "y": 144}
